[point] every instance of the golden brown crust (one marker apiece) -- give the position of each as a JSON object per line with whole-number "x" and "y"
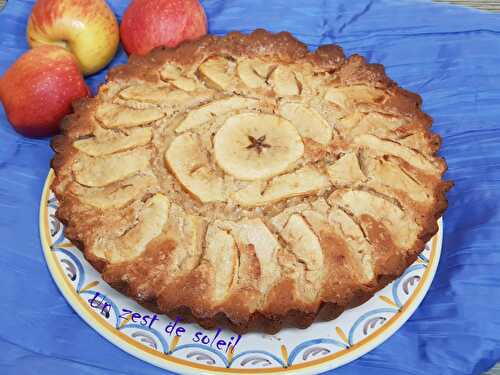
{"x": 165, "y": 275}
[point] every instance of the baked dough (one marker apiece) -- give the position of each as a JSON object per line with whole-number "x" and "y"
{"x": 243, "y": 180}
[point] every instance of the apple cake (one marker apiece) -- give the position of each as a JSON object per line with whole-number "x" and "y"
{"x": 244, "y": 180}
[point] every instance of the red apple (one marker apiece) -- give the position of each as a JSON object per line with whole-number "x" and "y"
{"x": 88, "y": 28}
{"x": 148, "y": 24}
{"x": 38, "y": 89}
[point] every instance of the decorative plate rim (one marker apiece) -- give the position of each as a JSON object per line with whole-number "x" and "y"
{"x": 175, "y": 364}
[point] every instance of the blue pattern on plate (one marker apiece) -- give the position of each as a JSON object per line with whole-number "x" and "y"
{"x": 450, "y": 55}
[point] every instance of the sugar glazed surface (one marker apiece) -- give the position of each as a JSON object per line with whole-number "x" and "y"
{"x": 242, "y": 180}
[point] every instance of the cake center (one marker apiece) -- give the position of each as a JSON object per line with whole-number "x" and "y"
{"x": 253, "y": 146}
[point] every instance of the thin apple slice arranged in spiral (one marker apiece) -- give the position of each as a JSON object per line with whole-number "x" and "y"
{"x": 145, "y": 93}
{"x": 117, "y": 116}
{"x": 104, "y": 170}
{"x": 206, "y": 113}
{"x": 188, "y": 161}
{"x": 108, "y": 142}
{"x": 284, "y": 82}
{"x": 218, "y": 72}
{"x": 173, "y": 74}
{"x": 304, "y": 181}
{"x": 309, "y": 123}
{"x": 254, "y": 73}
{"x": 150, "y": 224}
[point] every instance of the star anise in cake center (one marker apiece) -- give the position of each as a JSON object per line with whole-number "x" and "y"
{"x": 258, "y": 143}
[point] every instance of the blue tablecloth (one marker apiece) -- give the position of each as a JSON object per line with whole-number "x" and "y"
{"x": 450, "y": 55}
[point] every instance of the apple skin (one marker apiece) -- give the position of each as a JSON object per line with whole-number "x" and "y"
{"x": 88, "y": 28}
{"x": 38, "y": 89}
{"x": 147, "y": 24}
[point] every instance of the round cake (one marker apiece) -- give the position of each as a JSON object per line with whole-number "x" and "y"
{"x": 245, "y": 181}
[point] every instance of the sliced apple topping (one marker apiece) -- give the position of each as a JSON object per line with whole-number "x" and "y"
{"x": 346, "y": 171}
{"x": 116, "y": 196}
{"x": 181, "y": 100}
{"x": 118, "y": 116}
{"x": 253, "y": 146}
{"x": 381, "y": 147}
{"x": 218, "y": 71}
{"x": 262, "y": 68}
{"x": 307, "y": 121}
{"x": 338, "y": 97}
{"x": 349, "y": 123}
{"x": 188, "y": 160}
{"x": 253, "y": 232}
{"x": 365, "y": 94}
{"x": 380, "y": 120}
{"x": 145, "y": 93}
{"x": 184, "y": 83}
{"x": 254, "y": 73}
{"x": 305, "y": 246}
{"x": 170, "y": 71}
{"x": 360, "y": 249}
{"x": 345, "y": 97}
{"x": 188, "y": 232}
{"x": 284, "y": 82}
{"x": 222, "y": 255}
{"x": 279, "y": 221}
{"x": 390, "y": 174}
{"x": 168, "y": 99}
{"x": 104, "y": 170}
{"x": 304, "y": 181}
{"x": 207, "y": 112}
{"x": 421, "y": 141}
{"x": 362, "y": 204}
{"x": 249, "y": 76}
{"x": 109, "y": 142}
{"x": 303, "y": 241}
{"x": 173, "y": 75}
{"x": 373, "y": 123}
{"x": 150, "y": 224}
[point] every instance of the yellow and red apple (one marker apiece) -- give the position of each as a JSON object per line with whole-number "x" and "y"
{"x": 38, "y": 89}
{"x": 87, "y": 28}
{"x": 147, "y": 24}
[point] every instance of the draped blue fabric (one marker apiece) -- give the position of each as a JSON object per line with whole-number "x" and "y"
{"x": 449, "y": 55}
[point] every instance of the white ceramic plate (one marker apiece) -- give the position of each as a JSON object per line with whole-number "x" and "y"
{"x": 322, "y": 346}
